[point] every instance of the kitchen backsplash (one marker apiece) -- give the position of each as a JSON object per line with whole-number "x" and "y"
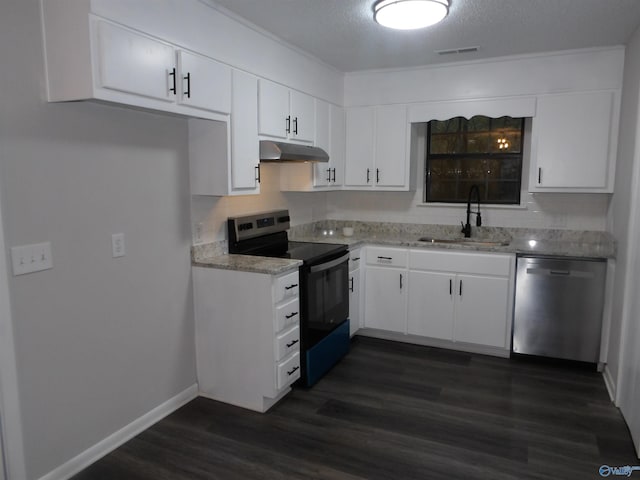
{"x": 539, "y": 211}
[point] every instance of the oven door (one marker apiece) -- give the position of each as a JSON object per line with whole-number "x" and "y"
{"x": 326, "y": 292}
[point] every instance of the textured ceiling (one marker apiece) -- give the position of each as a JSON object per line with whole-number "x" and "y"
{"x": 342, "y": 33}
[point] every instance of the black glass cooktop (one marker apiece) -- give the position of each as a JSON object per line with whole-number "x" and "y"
{"x": 309, "y": 251}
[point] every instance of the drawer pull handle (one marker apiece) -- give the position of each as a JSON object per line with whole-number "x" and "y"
{"x": 351, "y": 285}
{"x": 291, "y": 286}
{"x": 355, "y": 259}
{"x": 292, "y": 343}
{"x": 293, "y": 314}
{"x": 292, "y": 371}
{"x": 385, "y": 258}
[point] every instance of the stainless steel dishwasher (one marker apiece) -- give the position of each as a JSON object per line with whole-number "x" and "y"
{"x": 558, "y": 307}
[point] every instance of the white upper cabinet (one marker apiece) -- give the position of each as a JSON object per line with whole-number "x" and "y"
{"x": 91, "y": 58}
{"x": 391, "y": 158}
{"x": 201, "y": 81}
{"x": 573, "y": 144}
{"x": 376, "y": 148}
{"x": 245, "y": 154}
{"x": 337, "y": 148}
{"x": 330, "y": 137}
{"x": 135, "y": 64}
{"x": 360, "y": 134}
{"x": 214, "y": 168}
{"x": 284, "y": 113}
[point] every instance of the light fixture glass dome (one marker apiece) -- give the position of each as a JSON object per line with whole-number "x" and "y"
{"x": 410, "y": 14}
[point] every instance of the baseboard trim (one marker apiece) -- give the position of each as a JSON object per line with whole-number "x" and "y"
{"x": 434, "y": 342}
{"x": 609, "y": 383}
{"x": 113, "y": 441}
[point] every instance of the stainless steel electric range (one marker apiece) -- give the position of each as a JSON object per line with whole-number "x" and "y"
{"x": 324, "y": 290}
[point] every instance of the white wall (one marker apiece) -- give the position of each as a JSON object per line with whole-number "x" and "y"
{"x": 624, "y": 222}
{"x": 99, "y": 341}
{"x": 212, "y": 212}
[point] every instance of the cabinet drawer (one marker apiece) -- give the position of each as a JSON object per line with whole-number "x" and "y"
{"x": 288, "y": 371}
{"x": 461, "y": 262}
{"x": 392, "y": 257}
{"x": 286, "y": 286}
{"x": 287, "y": 343}
{"x": 287, "y": 314}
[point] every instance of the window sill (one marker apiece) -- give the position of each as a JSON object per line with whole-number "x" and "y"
{"x": 483, "y": 206}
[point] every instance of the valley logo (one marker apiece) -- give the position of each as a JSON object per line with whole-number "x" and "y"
{"x": 626, "y": 471}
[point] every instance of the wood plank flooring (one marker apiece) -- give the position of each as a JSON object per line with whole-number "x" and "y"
{"x": 395, "y": 411}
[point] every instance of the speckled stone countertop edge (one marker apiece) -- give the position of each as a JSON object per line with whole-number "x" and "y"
{"x": 249, "y": 263}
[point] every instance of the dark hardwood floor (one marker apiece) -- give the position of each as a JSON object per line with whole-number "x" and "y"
{"x": 395, "y": 411}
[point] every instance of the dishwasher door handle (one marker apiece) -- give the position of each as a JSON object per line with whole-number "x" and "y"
{"x": 547, "y": 272}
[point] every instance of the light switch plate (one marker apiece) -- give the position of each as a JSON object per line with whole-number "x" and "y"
{"x": 117, "y": 245}
{"x": 31, "y": 258}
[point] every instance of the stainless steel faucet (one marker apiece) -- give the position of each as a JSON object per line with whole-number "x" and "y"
{"x": 466, "y": 228}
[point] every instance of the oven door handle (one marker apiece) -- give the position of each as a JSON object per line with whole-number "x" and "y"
{"x": 326, "y": 266}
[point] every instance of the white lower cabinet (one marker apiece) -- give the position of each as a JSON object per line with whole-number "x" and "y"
{"x": 386, "y": 289}
{"x": 247, "y": 350}
{"x": 430, "y": 310}
{"x": 461, "y": 297}
{"x": 441, "y": 296}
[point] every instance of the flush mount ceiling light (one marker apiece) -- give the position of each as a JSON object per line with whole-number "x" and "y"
{"x": 410, "y": 14}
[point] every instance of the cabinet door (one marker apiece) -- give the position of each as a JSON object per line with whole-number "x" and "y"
{"x": 571, "y": 140}
{"x": 322, "y": 170}
{"x": 302, "y": 110}
{"x": 360, "y": 122}
{"x": 391, "y": 159}
{"x": 336, "y": 150}
{"x": 354, "y": 301}
{"x": 481, "y": 310}
{"x": 273, "y": 109}
{"x": 133, "y": 63}
{"x": 431, "y": 301}
{"x": 386, "y": 299}
{"x": 204, "y": 83}
{"x": 245, "y": 155}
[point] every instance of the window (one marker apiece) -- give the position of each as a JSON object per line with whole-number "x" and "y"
{"x": 483, "y": 151}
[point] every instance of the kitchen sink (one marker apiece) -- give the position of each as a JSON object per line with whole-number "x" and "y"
{"x": 465, "y": 241}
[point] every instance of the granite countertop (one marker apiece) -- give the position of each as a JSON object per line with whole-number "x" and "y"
{"x": 567, "y": 243}
{"x": 249, "y": 263}
{"x": 213, "y": 255}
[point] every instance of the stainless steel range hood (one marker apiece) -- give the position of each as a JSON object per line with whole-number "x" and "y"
{"x": 290, "y": 152}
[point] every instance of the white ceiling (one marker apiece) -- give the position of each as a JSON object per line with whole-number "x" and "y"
{"x": 342, "y": 33}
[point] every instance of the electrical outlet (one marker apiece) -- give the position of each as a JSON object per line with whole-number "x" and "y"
{"x": 117, "y": 245}
{"x": 31, "y": 258}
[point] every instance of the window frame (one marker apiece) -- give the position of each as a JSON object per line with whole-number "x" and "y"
{"x": 519, "y": 156}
